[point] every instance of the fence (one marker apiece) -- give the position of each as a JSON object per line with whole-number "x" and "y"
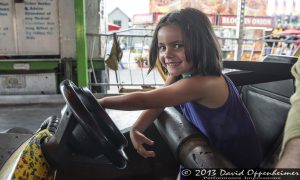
{"x": 132, "y": 73}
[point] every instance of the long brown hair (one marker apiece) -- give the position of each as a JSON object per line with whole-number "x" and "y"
{"x": 200, "y": 42}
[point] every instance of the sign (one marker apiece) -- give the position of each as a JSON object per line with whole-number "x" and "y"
{"x": 155, "y": 17}
{"x": 7, "y": 39}
{"x": 212, "y": 19}
{"x": 222, "y": 7}
{"x": 143, "y": 19}
{"x": 250, "y": 21}
{"x": 158, "y": 16}
{"x": 165, "y": 6}
{"x": 39, "y": 27}
{"x": 21, "y": 66}
{"x": 29, "y": 27}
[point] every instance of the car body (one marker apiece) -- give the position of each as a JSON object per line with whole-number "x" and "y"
{"x": 265, "y": 88}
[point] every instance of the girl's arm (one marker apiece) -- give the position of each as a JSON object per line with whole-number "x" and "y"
{"x": 136, "y": 133}
{"x": 179, "y": 92}
{"x": 149, "y": 115}
{"x": 143, "y": 122}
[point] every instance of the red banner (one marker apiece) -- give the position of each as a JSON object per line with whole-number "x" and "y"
{"x": 212, "y": 18}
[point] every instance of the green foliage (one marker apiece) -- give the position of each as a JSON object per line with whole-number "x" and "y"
{"x": 139, "y": 58}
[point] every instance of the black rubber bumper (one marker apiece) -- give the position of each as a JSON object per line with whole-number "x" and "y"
{"x": 189, "y": 146}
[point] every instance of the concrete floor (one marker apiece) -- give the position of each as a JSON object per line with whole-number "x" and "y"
{"x": 30, "y": 111}
{"x": 28, "y": 116}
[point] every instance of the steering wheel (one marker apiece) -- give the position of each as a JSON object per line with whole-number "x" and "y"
{"x": 95, "y": 122}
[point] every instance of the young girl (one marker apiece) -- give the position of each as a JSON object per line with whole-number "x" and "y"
{"x": 185, "y": 44}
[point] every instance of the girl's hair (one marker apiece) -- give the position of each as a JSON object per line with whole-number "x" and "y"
{"x": 199, "y": 40}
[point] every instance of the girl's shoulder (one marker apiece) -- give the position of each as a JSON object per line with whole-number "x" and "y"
{"x": 204, "y": 81}
{"x": 212, "y": 91}
{"x": 203, "y": 84}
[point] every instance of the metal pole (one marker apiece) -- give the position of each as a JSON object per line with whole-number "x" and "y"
{"x": 81, "y": 45}
{"x": 239, "y": 29}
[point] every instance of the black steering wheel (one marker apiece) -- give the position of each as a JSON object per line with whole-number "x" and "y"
{"x": 95, "y": 122}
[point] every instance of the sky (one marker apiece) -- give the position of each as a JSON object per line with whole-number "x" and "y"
{"x": 129, "y": 7}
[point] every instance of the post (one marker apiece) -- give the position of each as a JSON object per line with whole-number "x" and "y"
{"x": 81, "y": 44}
{"x": 240, "y": 29}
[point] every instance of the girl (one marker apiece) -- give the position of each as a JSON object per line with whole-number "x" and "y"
{"x": 185, "y": 44}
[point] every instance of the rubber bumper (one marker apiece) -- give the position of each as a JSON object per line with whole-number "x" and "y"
{"x": 189, "y": 146}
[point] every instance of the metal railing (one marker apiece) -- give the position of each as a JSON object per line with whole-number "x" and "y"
{"x": 132, "y": 75}
{"x": 257, "y": 49}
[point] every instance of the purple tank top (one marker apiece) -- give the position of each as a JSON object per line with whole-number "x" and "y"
{"x": 228, "y": 128}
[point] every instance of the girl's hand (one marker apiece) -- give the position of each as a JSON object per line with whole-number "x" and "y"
{"x": 138, "y": 139}
{"x": 101, "y": 102}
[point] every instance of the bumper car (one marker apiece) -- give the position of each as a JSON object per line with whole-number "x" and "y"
{"x": 85, "y": 143}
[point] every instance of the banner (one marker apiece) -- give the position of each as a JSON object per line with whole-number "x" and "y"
{"x": 215, "y": 7}
{"x": 249, "y": 21}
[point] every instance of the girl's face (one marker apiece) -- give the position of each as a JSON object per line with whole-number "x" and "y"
{"x": 171, "y": 51}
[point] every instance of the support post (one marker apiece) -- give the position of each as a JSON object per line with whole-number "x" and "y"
{"x": 239, "y": 29}
{"x": 81, "y": 43}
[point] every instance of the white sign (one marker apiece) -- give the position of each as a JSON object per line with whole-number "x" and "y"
{"x": 29, "y": 27}
{"x": 143, "y": 19}
{"x": 252, "y": 21}
{"x": 7, "y": 40}
{"x": 21, "y": 66}
{"x": 40, "y": 33}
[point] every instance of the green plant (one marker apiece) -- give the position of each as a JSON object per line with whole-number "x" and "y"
{"x": 139, "y": 58}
